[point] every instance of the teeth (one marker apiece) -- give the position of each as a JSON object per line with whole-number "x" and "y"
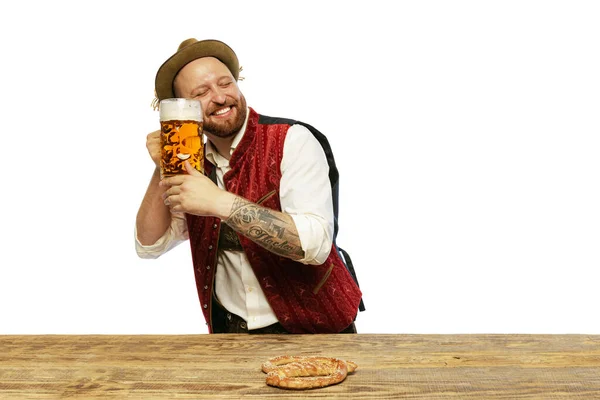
{"x": 183, "y": 156}
{"x": 222, "y": 111}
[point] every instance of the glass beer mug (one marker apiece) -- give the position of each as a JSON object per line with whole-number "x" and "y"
{"x": 181, "y": 136}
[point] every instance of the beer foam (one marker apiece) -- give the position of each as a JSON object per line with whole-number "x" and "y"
{"x": 180, "y": 109}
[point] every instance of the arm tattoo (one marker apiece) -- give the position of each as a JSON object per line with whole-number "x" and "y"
{"x": 273, "y": 230}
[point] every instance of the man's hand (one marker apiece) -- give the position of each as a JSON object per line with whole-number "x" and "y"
{"x": 194, "y": 193}
{"x": 153, "y": 146}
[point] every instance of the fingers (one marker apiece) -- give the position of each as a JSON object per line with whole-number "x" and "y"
{"x": 188, "y": 193}
{"x": 191, "y": 170}
{"x": 172, "y": 191}
{"x": 153, "y": 139}
{"x": 180, "y": 179}
{"x": 153, "y": 146}
{"x": 172, "y": 181}
{"x": 177, "y": 209}
{"x": 171, "y": 201}
{"x": 172, "y": 196}
{"x": 153, "y": 135}
{"x": 174, "y": 203}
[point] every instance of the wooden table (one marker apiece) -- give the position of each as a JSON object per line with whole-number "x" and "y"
{"x": 228, "y": 366}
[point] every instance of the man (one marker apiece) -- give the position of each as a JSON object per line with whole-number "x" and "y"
{"x": 260, "y": 223}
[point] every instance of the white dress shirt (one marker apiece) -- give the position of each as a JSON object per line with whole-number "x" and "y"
{"x": 305, "y": 194}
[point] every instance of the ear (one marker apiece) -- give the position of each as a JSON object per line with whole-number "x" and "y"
{"x": 191, "y": 170}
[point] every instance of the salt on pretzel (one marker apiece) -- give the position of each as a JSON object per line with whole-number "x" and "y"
{"x": 300, "y": 372}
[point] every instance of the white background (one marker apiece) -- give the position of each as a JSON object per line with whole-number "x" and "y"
{"x": 466, "y": 134}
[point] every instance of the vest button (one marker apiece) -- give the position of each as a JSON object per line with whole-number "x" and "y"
{"x": 208, "y": 267}
{"x": 215, "y": 226}
{"x": 205, "y": 287}
{"x": 205, "y": 306}
{"x": 210, "y": 247}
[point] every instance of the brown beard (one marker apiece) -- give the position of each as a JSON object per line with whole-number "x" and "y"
{"x": 228, "y": 128}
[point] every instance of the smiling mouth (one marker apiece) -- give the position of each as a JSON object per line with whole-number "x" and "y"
{"x": 222, "y": 111}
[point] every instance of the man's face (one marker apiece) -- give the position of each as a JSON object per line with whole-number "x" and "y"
{"x": 209, "y": 81}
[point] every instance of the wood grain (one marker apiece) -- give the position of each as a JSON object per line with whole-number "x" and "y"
{"x": 228, "y": 366}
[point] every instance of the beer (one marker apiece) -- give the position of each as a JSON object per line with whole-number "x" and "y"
{"x": 181, "y": 136}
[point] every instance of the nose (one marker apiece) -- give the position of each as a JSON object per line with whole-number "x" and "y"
{"x": 219, "y": 96}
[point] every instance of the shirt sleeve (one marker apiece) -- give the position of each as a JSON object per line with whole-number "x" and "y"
{"x": 305, "y": 193}
{"x": 173, "y": 236}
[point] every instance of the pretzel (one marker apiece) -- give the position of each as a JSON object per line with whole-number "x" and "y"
{"x": 298, "y": 372}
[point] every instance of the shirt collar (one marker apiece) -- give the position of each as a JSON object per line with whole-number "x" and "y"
{"x": 211, "y": 152}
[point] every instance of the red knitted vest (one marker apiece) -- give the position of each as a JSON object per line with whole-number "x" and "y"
{"x": 305, "y": 298}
